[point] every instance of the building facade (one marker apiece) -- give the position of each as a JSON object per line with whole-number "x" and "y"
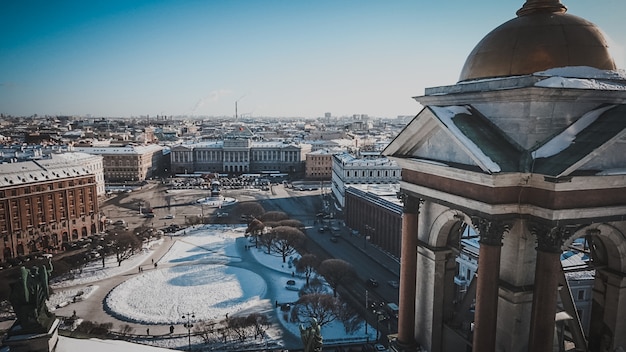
{"x": 129, "y": 163}
{"x": 45, "y": 205}
{"x": 319, "y": 164}
{"x": 348, "y": 169}
{"x": 238, "y": 155}
{"x": 375, "y": 218}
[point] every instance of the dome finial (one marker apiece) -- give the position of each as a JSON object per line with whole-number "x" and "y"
{"x": 535, "y": 6}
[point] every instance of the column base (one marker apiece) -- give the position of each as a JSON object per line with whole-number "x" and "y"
{"x": 42, "y": 342}
{"x": 401, "y": 346}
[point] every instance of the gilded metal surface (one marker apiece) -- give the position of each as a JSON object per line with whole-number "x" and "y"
{"x": 534, "y": 6}
{"x": 536, "y": 41}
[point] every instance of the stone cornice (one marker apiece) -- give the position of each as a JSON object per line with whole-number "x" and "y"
{"x": 556, "y": 198}
{"x": 473, "y": 206}
{"x": 502, "y": 91}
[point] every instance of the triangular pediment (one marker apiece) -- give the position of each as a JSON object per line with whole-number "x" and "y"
{"x": 595, "y": 142}
{"x": 455, "y": 134}
{"x": 181, "y": 148}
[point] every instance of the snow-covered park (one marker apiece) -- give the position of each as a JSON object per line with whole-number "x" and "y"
{"x": 211, "y": 271}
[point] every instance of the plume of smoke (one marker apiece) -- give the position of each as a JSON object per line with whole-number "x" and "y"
{"x": 213, "y": 96}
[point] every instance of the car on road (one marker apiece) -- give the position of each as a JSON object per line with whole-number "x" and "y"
{"x": 380, "y": 347}
{"x": 372, "y": 282}
{"x": 168, "y": 216}
{"x": 334, "y": 239}
{"x": 393, "y": 283}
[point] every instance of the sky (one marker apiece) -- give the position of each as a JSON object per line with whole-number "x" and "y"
{"x": 279, "y": 58}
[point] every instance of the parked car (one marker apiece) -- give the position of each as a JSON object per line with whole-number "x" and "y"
{"x": 393, "y": 283}
{"x": 168, "y": 216}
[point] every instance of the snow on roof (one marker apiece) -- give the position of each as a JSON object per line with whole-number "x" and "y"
{"x": 446, "y": 114}
{"x": 582, "y": 77}
{"x": 565, "y": 138}
{"x": 583, "y": 72}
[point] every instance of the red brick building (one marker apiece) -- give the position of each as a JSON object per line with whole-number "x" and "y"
{"x": 377, "y": 219}
{"x": 42, "y": 207}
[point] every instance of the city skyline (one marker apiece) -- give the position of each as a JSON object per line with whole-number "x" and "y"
{"x": 274, "y": 58}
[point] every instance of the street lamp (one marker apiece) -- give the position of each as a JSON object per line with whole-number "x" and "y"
{"x": 188, "y": 325}
{"x": 368, "y": 231}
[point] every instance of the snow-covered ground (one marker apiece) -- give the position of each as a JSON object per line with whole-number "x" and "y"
{"x": 205, "y": 272}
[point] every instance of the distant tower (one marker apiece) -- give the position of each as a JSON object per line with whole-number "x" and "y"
{"x": 531, "y": 166}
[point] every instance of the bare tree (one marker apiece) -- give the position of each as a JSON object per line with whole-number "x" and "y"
{"x": 292, "y": 223}
{"x": 274, "y": 216}
{"x": 240, "y": 327}
{"x": 259, "y": 324}
{"x": 266, "y": 239}
{"x": 307, "y": 264}
{"x": 323, "y": 307}
{"x": 125, "y": 246}
{"x": 251, "y": 208}
{"x": 255, "y": 229}
{"x": 208, "y": 331}
{"x": 336, "y": 271}
{"x": 287, "y": 240}
{"x": 315, "y": 286}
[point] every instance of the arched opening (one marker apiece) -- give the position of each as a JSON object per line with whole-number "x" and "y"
{"x": 94, "y": 229}
{"x": 74, "y": 234}
{"x": 594, "y": 269}
{"x": 84, "y": 232}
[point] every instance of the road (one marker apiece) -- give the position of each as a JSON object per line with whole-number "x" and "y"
{"x": 368, "y": 261}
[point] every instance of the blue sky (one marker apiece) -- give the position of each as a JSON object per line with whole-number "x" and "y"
{"x": 275, "y": 57}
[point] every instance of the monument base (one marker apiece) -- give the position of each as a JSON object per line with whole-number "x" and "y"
{"x": 44, "y": 342}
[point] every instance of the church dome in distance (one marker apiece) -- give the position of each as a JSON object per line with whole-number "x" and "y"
{"x": 542, "y": 37}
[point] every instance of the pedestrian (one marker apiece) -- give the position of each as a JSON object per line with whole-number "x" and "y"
{"x": 152, "y": 260}
{"x": 155, "y": 265}
{"x": 139, "y": 269}
{"x": 148, "y": 331}
{"x": 171, "y": 329}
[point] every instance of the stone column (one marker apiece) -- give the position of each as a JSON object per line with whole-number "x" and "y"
{"x": 486, "y": 312}
{"x": 408, "y": 272}
{"x": 547, "y": 268}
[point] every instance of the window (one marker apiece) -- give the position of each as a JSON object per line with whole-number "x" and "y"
{"x": 581, "y": 294}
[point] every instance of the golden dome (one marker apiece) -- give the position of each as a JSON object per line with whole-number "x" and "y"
{"x": 543, "y": 36}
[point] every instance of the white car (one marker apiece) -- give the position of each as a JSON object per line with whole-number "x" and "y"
{"x": 168, "y": 216}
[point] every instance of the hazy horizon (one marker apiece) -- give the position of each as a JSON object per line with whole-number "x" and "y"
{"x": 275, "y": 58}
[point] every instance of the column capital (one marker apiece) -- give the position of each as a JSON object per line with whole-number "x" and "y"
{"x": 549, "y": 238}
{"x": 411, "y": 204}
{"x": 490, "y": 231}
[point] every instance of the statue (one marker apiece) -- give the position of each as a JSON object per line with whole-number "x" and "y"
{"x": 28, "y": 297}
{"x": 311, "y": 337}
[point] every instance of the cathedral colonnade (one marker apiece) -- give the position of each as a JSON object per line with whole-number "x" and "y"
{"x": 517, "y": 284}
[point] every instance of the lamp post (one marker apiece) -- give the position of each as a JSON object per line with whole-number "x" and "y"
{"x": 368, "y": 231}
{"x": 188, "y": 325}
